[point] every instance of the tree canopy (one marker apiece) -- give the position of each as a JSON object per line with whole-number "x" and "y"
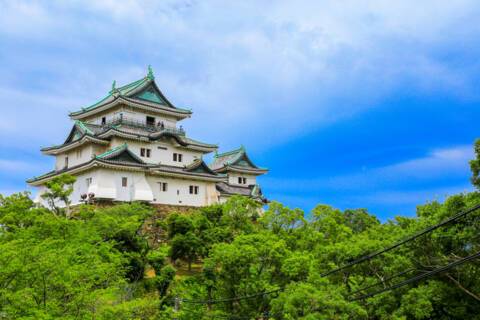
{"x": 236, "y": 260}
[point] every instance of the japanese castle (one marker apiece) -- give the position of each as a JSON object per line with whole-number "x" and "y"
{"x": 128, "y": 147}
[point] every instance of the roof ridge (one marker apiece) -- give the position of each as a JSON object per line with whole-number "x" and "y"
{"x": 84, "y": 127}
{"x": 109, "y": 152}
{"x": 133, "y": 85}
{"x": 227, "y": 153}
{"x": 95, "y": 104}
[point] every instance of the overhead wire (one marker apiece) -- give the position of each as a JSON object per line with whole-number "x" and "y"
{"x": 366, "y": 258}
{"x": 420, "y": 277}
{"x": 402, "y": 242}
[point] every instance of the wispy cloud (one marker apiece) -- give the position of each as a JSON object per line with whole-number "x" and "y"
{"x": 283, "y": 65}
{"x": 438, "y": 164}
{"x": 16, "y": 166}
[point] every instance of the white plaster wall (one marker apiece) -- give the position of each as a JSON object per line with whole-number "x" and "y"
{"x": 79, "y": 188}
{"x": 178, "y": 192}
{"x": 73, "y": 158}
{"x": 107, "y": 184}
{"x": 159, "y": 155}
{"x": 110, "y": 186}
{"x": 233, "y": 179}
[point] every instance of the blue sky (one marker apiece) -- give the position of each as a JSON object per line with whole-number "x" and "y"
{"x": 367, "y": 105}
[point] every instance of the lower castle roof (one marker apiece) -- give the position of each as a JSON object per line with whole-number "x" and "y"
{"x": 122, "y": 158}
{"x": 228, "y": 189}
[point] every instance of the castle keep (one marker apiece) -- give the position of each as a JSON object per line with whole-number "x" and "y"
{"x": 129, "y": 147}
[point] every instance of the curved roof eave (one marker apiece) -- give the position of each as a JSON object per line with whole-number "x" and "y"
{"x": 117, "y": 100}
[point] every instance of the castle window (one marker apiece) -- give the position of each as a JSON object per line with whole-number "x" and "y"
{"x": 163, "y": 186}
{"x": 242, "y": 180}
{"x": 150, "y": 121}
{"x": 124, "y": 181}
{"x": 104, "y": 120}
{"x": 79, "y": 153}
{"x": 88, "y": 182}
{"x": 144, "y": 152}
{"x": 177, "y": 157}
{"x": 66, "y": 162}
{"x": 193, "y": 189}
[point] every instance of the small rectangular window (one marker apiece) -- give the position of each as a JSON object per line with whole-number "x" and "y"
{"x": 242, "y": 180}
{"x": 142, "y": 152}
{"x": 88, "y": 181}
{"x": 150, "y": 121}
{"x": 178, "y": 157}
{"x": 79, "y": 153}
{"x": 104, "y": 120}
{"x": 124, "y": 181}
{"x": 66, "y": 162}
{"x": 148, "y": 153}
{"x": 163, "y": 186}
{"x": 193, "y": 189}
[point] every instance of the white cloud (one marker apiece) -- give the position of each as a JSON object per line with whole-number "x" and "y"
{"x": 414, "y": 197}
{"x": 281, "y": 68}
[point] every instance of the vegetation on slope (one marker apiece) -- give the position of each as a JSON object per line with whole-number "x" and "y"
{"x": 93, "y": 265}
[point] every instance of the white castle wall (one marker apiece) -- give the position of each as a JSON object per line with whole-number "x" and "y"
{"x": 74, "y": 157}
{"x": 233, "y": 179}
{"x": 178, "y": 192}
{"x": 107, "y": 184}
{"x": 159, "y": 155}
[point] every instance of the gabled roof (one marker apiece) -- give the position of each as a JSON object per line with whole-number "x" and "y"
{"x": 143, "y": 92}
{"x": 79, "y": 134}
{"x": 82, "y": 132}
{"x": 121, "y": 154}
{"x": 199, "y": 166}
{"x": 121, "y": 158}
{"x": 253, "y": 191}
{"x": 236, "y": 160}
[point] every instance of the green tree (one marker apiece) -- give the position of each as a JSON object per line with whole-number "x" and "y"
{"x": 475, "y": 165}
{"x": 59, "y": 189}
{"x": 187, "y": 247}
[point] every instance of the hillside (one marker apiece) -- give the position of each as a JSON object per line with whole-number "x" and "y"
{"x": 128, "y": 262}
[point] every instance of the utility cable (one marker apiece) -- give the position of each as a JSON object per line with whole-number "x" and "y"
{"x": 420, "y": 277}
{"x": 402, "y": 242}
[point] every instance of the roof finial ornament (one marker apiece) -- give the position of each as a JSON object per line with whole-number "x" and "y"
{"x": 150, "y": 73}
{"x": 114, "y": 84}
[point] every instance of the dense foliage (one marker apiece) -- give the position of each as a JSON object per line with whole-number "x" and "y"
{"x": 129, "y": 262}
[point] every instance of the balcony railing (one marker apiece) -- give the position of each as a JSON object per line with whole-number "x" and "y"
{"x": 152, "y": 127}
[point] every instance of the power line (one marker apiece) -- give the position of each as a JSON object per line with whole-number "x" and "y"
{"x": 399, "y": 243}
{"x": 420, "y": 277}
{"x": 384, "y": 280}
{"x": 365, "y": 258}
{"x": 214, "y": 301}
